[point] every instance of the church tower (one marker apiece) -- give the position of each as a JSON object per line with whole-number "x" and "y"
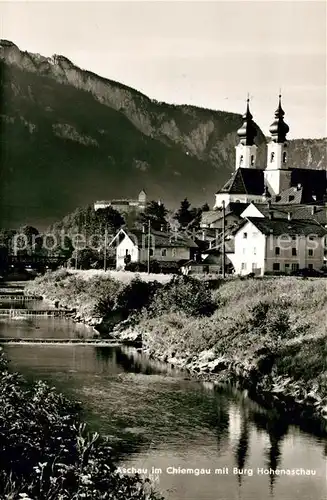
{"x": 246, "y": 150}
{"x": 277, "y": 174}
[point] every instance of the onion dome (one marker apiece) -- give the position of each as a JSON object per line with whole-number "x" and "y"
{"x": 248, "y": 131}
{"x": 279, "y": 128}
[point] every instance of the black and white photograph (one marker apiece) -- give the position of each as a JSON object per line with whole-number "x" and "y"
{"x": 163, "y": 250}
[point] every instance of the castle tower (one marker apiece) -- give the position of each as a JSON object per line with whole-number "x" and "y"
{"x": 142, "y": 199}
{"x": 246, "y": 150}
{"x": 277, "y": 174}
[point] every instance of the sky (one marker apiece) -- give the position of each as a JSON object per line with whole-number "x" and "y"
{"x": 209, "y": 54}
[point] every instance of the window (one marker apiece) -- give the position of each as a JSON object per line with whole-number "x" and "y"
{"x": 126, "y": 251}
{"x": 243, "y": 266}
{"x": 254, "y": 266}
{"x": 284, "y": 157}
{"x": 287, "y": 266}
{"x": 245, "y": 235}
{"x": 252, "y": 159}
{"x": 291, "y": 197}
{"x": 164, "y": 252}
{"x": 295, "y": 267}
{"x": 310, "y": 252}
{"x": 272, "y": 157}
{"x": 293, "y": 237}
{"x": 173, "y": 252}
{"x": 277, "y": 251}
{"x": 151, "y": 252}
{"x": 294, "y": 252}
{"x": 278, "y": 198}
{"x": 311, "y": 237}
{"x": 276, "y": 266}
{"x": 254, "y": 235}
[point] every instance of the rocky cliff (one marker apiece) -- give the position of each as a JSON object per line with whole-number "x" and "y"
{"x": 69, "y": 136}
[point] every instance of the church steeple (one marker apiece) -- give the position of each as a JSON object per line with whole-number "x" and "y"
{"x": 277, "y": 174}
{"x": 246, "y": 150}
{"x": 279, "y": 128}
{"x": 248, "y": 131}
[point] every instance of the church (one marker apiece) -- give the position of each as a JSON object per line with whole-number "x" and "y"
{"x": 261, "y": 206}
{"x": 273, "y": 183}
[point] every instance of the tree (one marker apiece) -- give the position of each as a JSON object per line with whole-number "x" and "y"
{"x": 6, "y": 239}
{"x": 156, "y": 213}
{"x": 184, "y": 214}
{"x": 86, "y": 258}
{"x": 109, "y": 219}
{"x": 27, "y": 236}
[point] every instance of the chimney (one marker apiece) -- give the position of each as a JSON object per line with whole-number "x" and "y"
{"x": 299, "y": 186}
{"x": 271, "y": 215}
{"x": 161, "y": 227}
{"x": 269, "y": 203}
{"x": 313, "y": 210}
{"x": 203, "y": 234}
{"x": 289, "y": 216}
{"x": 143, "y": 228}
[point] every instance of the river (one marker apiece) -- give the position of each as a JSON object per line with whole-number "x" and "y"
{"x": 158, "y": 417}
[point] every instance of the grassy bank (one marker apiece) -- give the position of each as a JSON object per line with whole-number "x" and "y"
{"x": 46, "y": 452}
{"x": 269, "y": 335}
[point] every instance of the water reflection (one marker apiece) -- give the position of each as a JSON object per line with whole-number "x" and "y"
{"x": 155, "y": 416}
{"x": 242, "y": 448}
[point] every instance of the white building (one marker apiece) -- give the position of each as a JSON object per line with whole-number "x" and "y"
{"x": 160, "y": 246}
{"x": 265, "y": 244}
{"x": 124, "y": 205}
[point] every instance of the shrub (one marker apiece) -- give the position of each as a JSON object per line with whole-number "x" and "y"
{"x": 185, "y": 294}
{"x": 47, "y": 453}
{"x": 137, "y": 294}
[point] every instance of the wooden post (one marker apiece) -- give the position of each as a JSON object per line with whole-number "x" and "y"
{"x": 149, "y": 242}
{"x": 223, "y": 241}
{"x": 105, "y": 251}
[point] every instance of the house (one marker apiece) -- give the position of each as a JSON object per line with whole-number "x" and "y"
{"x": 210, "y": 264}
{"x": 315, "y": 213}
{"x": 269, "y": 244}
{"x": 213, "y": 219}
{"x": 163, "y": 247}
{"x": 124, "y": 205}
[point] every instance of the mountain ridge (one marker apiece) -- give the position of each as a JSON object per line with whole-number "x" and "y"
{"x": 108, "y": 140}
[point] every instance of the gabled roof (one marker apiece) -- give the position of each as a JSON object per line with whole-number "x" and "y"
{"x": 214, "y": 215}
{"x": 159, "y": 239}
{"x": 316, "y": 213}
{"x": 236, "y": 208}
{"x": 292, "y": 195}
{"x": 210, "y": 216}
{"x": 245, "y": 181}
{"x": 278, "y": 227}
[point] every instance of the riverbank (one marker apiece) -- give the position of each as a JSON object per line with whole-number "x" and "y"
{"x": 267, "y": 336}
{"x": 47, "y": 452}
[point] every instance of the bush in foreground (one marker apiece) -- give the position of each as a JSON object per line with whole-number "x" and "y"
{"x": 46, "y": 452}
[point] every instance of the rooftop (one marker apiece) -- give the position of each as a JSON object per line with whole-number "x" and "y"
{"x": 245, "y": 181}
{"x": 280, "y": 226}
{"x": 161, "y": 239}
